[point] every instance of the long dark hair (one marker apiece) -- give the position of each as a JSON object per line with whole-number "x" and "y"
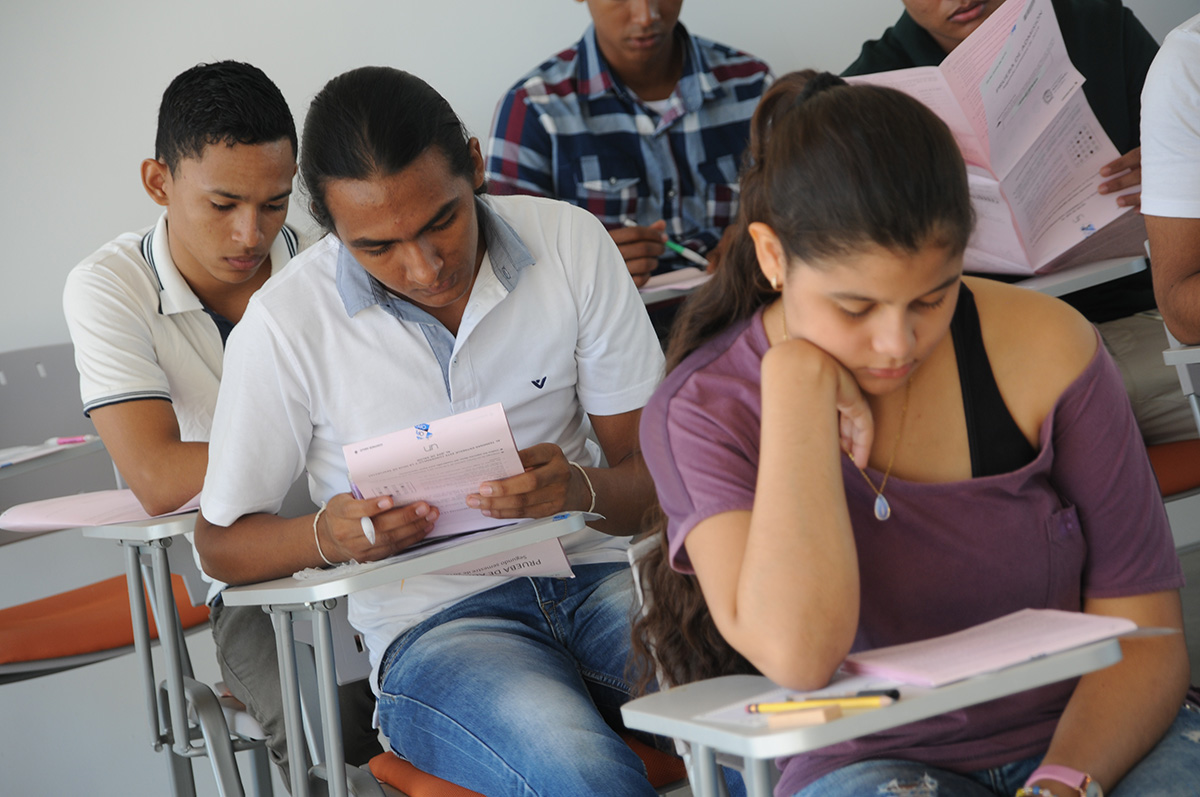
{"x": 832, "y": 169}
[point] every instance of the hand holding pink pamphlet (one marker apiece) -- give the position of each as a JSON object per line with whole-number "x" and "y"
{"x": 440, "y": 462}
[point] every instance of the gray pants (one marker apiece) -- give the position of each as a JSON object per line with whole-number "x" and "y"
{"x": 246, "y": 654}
{"x": 1136, "y": 343}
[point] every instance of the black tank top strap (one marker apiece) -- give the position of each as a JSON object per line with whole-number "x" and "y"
{"x": 997, "y": 443}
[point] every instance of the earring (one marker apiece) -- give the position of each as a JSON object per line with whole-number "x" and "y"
{"x": 775, "y": 282}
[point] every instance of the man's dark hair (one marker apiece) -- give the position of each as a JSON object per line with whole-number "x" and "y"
{"x": 229, "y": 103}
{"x": 376, "y": 121}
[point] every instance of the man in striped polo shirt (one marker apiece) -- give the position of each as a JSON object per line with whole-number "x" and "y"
{"x": 149, "y": 313}
{"x": 640, "y": 123}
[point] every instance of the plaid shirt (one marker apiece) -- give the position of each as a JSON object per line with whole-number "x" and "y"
{"x": 571, "y": 130}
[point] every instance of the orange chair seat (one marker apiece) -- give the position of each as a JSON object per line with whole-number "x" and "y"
{"x": 662, "y": 768}
{"x": 83, "y": 620}
{"x": 1177, "y": 465}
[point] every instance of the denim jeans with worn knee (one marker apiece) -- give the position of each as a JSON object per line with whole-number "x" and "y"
{"x": 515, "y": 691}
{"x": 1170, "y": 769}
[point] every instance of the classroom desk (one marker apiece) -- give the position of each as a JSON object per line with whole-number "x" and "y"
{"x": 152, "y": 538}
{"x": 288, "y": 598}
{"x": 1058, "y": 283}
{"x": 61, "y": 455}
{"x": 675, "y": 713}
{"x": 1076, "y": 278}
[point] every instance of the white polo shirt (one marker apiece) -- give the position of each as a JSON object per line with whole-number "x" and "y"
{"x": 141, "y": 333}
{"x": 1171, "y": 127}
{"x": 325, "y": 356}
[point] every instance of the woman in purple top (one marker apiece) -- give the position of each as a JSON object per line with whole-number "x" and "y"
{"x": 856, "y": 446}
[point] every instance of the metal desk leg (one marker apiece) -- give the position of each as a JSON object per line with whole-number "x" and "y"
{"x": 179, "y": 769}
{"x": 331, "y": 721}
{"x": 704, "y": 767}
{"x": 757, "y": 774}
{"x": 172, "y": 653}
{"x": 281, "y": 617}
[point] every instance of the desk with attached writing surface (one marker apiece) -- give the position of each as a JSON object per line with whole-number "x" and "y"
{"x": 680, "y": 713}
{"x": 289, "y": 599}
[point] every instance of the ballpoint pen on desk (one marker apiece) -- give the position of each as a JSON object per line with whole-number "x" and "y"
{"x": 679, "y": 249}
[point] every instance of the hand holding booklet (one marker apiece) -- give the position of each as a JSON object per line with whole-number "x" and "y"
{"x": 442, "y": 462}
{"x": 1033, "y": 146}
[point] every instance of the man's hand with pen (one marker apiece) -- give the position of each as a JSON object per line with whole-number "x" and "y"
{"x": 342, "y": 527}
{"x": 641, "y": 247}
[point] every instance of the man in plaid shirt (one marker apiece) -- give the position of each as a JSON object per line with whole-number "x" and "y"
{"x": 640, "y": 123}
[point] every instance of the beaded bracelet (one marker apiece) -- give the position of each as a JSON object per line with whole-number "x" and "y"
{"x": 316, "y": 537}
{"x": 1033, "y": 791}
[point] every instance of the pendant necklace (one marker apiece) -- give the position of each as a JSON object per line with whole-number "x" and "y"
{"x": 883, "y": 510}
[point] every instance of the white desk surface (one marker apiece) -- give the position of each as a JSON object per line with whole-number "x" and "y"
{"x": 1058, "y": 283}
{"x": 149, "y": 530}
{"x": 1076, "y": 278}
{"x": 53, "y": 458}
{"x": 289, "y": 590}
{"x": 664, "y": 294}
{"x": 674, "y": 712}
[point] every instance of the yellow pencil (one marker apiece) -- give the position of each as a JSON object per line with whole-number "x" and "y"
{"x": 876, "y": 701}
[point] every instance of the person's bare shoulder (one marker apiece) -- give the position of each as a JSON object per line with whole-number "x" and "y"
{"x": 1037, "y": 344}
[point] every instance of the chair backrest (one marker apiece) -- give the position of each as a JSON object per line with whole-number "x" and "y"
{"x": 39, "y": 399}
{"x": 39, "y": 391}
{"x": 1187, "y": 367}
{"x": 1177, "y": 464}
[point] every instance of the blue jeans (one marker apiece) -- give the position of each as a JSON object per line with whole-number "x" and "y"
{"x": 507, "y": 692}
{"x": 1170, "y": 769}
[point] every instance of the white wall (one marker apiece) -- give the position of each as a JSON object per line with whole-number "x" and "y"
{"x": 79, "y": 91}
{"x": 80, "y": 84}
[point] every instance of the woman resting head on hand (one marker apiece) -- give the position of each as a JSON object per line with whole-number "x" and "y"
{"x": 856, "y": 446}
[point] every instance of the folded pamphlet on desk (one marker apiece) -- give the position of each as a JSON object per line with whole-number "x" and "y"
{"x": 1032, "y": 144}
{"x": 877, "y": 678}
{"x": 84, "y": 510}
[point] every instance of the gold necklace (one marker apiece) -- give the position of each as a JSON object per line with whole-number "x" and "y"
{"x": 883, "y": 510}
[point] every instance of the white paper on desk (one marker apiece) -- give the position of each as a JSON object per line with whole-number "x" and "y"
{"x": 440, "y": 462}
{"x": 841, "y": 685}
{"x": 317, "y": 575}
{"x": 101, "y": 508}
{"x": 1013, "y": 639}
{"x": 681, "y": 279}
{"x": 15, "y": 454}
{"x": 545, "y": 558}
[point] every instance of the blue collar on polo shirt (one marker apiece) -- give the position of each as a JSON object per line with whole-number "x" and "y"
{"x": 359, "y": 290}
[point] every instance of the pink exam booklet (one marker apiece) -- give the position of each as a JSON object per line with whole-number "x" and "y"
{"x": 101, "y": 508}
{"x": 440, "y": 462}
{"x": 1015, "y": 638}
